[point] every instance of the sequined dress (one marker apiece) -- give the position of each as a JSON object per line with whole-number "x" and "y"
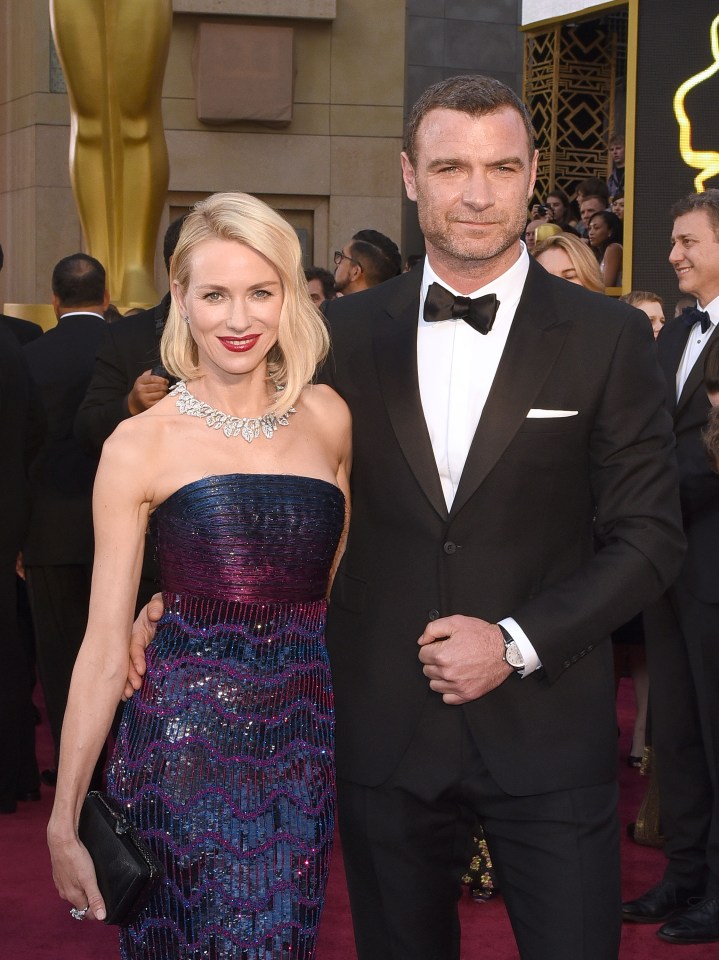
{"x": 225, "y": 759}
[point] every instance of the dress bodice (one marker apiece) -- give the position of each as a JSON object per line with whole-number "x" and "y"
{"x": 249, "y": 537}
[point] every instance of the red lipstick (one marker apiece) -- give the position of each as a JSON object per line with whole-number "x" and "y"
{"x": 239, "y": 344}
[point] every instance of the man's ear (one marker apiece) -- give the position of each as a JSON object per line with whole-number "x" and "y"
{"x": 408, "y": 176}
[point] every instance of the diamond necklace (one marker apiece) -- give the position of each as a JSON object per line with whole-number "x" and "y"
{"x": 246, "y": 427}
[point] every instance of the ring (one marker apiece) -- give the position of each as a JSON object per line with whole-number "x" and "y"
{"x": 79, "y": 914}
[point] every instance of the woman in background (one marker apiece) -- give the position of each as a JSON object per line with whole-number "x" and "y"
{"x": 605, "y": 238}
{"x": 569, "y": 257}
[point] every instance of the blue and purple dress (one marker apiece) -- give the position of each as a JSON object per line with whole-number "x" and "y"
{"x": 225, "y": 759}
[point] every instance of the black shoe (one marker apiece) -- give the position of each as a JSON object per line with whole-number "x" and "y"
{"x": 698, "y": 924}
{"x": 49, "y": 777}
{"x": 657, "y": 904}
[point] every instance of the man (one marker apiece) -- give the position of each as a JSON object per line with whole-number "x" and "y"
{"x": 588, "y": 207}
{"x": 682, "y": 630}
{"x": 59, "y": 545}
{"x": 21, "y": 430}
{"x": 486, "y": 467}
{"x": 321, "y": 285}
{"x": 617, "y": 150}
{"x": 126, "y": 378}
{"x": 368, "y": 259}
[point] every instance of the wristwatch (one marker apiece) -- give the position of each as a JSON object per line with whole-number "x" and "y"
{"x": 512, "y": 653}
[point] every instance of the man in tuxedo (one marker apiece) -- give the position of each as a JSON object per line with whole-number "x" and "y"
{"x": 514, "y": 501}
{"x": 58, "y": 549}
{"x": 127, "y": 377}
{"x": 21, "y": 431}
{"x": 682, "y": 629}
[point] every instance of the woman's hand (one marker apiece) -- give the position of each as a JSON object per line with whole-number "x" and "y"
{"x": 74, "y": 874}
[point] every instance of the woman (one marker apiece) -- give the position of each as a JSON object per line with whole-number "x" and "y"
{"x": 605, "y": 238}
{"x": 649, "y": 303}
{"x": 225, "y": 760}
{"x": 568, "y": 257}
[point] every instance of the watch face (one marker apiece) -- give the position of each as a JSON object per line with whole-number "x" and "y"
{"x": 513, "y": 656}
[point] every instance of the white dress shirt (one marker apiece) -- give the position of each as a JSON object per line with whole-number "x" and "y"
{"x": 456, "y": 367}
{"x": 695, "y": 344}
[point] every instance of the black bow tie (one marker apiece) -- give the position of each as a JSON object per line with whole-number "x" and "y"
{"x": 692, "y": 315}
{"x": 440, "y": 304}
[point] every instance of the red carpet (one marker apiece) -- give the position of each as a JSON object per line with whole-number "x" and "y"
{"x": 35, "y": 924}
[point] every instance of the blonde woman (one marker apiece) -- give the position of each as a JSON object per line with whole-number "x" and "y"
{"x": 224, "y": 761}
{"x": 567, "y": 256}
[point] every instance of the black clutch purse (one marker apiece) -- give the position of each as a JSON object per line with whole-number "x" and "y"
{"x": 127, "y": 870}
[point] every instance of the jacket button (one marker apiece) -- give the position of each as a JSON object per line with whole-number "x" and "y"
{"x": 450, "y": 547}
{"x": 433, "y": 614}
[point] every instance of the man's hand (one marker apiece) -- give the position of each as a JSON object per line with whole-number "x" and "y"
{"x": 463, "y": 657}
{"x": 146, "y": 391}
{"x": 143, "y": 631}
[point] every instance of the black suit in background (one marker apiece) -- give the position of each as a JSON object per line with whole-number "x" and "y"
{"x": 58, "y": 550}
{"x": 518, "y": 541}
{"x": 683, "y": 644}
{"x": 130, "y": 346}
{"x": 24, "y": 331}
{"x": 21, "y": 429}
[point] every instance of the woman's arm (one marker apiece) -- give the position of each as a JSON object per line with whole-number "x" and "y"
{"x": 120, "y": 512}
{"x": 612, "y": 264}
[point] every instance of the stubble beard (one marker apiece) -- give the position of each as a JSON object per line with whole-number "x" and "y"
{"x": 463, "y": 249}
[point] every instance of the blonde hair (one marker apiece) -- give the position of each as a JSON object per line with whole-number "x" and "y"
{"x": 546, "y": 231}
{"x": 583, "y": 260}
{"x": 302, "y": 338}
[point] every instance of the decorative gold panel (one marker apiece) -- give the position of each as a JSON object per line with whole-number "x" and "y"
{"x": 570, "y": 79}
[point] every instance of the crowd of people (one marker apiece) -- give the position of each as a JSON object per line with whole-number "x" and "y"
{"x": 396, "y": 513}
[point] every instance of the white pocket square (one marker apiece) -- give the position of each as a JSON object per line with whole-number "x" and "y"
{"x": 537, "y": 413}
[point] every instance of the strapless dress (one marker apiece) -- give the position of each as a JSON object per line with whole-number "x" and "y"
{"x": 225, "y": 759}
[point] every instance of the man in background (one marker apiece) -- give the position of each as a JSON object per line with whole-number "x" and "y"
{"x": 368, "y": 259}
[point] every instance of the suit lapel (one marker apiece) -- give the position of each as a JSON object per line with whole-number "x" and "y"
{"x": 534, "y": 341}
{"x": 395, "y": 349}
{"x": 670, "y": 347}
{"x": 695, "y": 380}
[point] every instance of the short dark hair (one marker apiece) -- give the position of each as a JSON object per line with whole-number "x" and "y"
{"x": 172, "y": 235}
{"x": 325, "y": 278}
{"x": 378, "y": 256}
{"x": 593, "y": 187}
{"x": 616, "y": 138}
{"x": 473, "y": 94}
{"x": 79, "y": 281}
{"x": 708, "y": 201}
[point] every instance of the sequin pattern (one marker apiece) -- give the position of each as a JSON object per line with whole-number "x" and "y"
{"x": 225, "y": 760}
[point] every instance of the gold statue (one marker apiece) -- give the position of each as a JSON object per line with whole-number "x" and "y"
{"x": 706, "y": 161}
{"x": 113, "y": 54}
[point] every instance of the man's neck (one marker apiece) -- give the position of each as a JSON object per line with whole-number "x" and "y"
{"x": 466, "y": 276}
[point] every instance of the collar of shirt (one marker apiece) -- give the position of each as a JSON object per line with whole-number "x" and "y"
{"x": 695, "y": 344}
{"x": 82, "y": 313}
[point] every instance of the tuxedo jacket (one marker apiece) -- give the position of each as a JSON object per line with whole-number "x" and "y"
{"x": 130, "y": 346}
{"x": 22, "y": 428}
{"x": 536, "y": 496}
{"x": 699, "y": 483}
{"x": 62, "y": 475}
